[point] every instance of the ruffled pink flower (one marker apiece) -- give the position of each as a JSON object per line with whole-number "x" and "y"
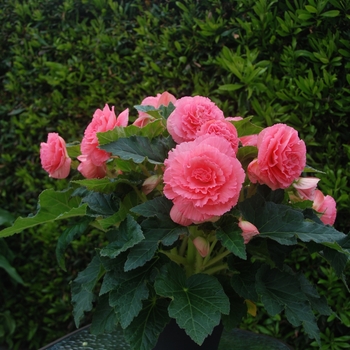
{"x": 248, "y": 230}
{"x": 103, "y": 120}
{"x": 221, "y": 128}
{"x": 203, "y": 178}
{"x": 54, "y": 157}
{"x": 202, "y": 246}
{"x": 325, "y": 205}
{"x": 306, "y": 187}
{"x": 156, "y": 101}
{"x": 281, "y": 157}
{"x": 189, "y": 115}
{"x": 89, "y": 170}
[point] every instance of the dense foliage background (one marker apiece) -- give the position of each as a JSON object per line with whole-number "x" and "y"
{"x": 279, "y": 61}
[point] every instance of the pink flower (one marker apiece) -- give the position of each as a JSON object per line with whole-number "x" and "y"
{"x": 306, "y": 187}
{"x": 189, "y": 115}
{"x": 249, "y": 230}
{"x": 221, "y": 128}
{"x": 89, "y": 170}
{"x": 54, "y": 156}
{"x": 103, "y": 120}
{"x": 202, "y": 245}
{"x": 203, "y": 178}
{"x": 281, "y": 157}
{"x": 325, "y": 205}
{"x": 161, "y": 99}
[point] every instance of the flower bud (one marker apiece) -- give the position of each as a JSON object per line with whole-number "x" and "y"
{"x": 202, "y": 245}
{"x": 151, "y": 183}
{"x": 249, "y": 230}
{"x": 325, "y": 205}
{"x": 306, "y": 187}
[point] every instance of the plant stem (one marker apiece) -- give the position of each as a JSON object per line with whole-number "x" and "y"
{"x": 217, "y": 259}
{"x": 174, "y": 257}
{"x": 215, "y": 269}
{"x": 183, "y": 245}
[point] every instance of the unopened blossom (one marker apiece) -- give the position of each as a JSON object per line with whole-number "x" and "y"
{"x": 325, "y": 205}
{"x": 306, "y": 187}
{"x": 202, "y": 245}
{"x": 54, "y": 157}
{"x": 248, "y": 230}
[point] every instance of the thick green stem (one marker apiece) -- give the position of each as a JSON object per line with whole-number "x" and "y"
{"x": 215, "y": 269}
{"x": 174, "y": 257}
{"x": 212, "y": 246}
{"x": 216, "y": 259}
{"x": 183, "y": 246}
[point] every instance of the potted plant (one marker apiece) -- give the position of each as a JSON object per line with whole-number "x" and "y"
{"x": 198, "y": 214}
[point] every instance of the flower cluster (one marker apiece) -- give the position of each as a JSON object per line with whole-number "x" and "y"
{"x": 196, "y": 214}
{"x": 202, "y": 175}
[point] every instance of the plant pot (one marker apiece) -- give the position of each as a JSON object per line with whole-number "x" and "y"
{"x": 174, "y": 338}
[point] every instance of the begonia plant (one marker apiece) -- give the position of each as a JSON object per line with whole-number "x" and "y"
{"x": 198, "y": 215}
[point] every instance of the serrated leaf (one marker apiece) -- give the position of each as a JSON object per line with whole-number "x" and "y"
{"x": 159, "y": 207}
{"x": 155, "y": 231}
{"x": 69, "y": 235}
{"x": 143, "y": 332}
{"x": 244, "y": 282}
{"x": 129, "y": 234}
{"x": 130, "y": 291}
{"x": 196, "y": 303}
{"x": 281, "y": 291}
{"x": 53, "y": 205}
{"x": 82, "y": 289}
{"x": 139, "y": 148}
{"x": 102, "y": 204}
{"x": 104, "y": 319}
{"x": 150, "y": 130}
{"x": 285, "y": 224}
{"x": 231, "y": 237}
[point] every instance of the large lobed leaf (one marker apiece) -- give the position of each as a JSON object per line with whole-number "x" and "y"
{"x": 196, "y": 303}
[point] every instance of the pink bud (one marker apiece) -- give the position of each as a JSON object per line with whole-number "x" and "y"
{"x": 249, "y": 230}
{"x": 325, "y": 205}
{"x": 151, "y": 183}
{"x": 306, "y": 187}
{"x": 202, "y": 245}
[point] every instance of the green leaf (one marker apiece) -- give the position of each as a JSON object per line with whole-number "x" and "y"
{"x": 243, "y": 283}
{"x": 10, "y": 270}
{"x": 6, "y": 218}
{"x": 281, "y": 291}
{"x": 231, "y": 237}
{"x": 102, "y": 185}
{"x": 104, "y": 319}
{"x": 150, "y": 130}
{"x": 246, "y": 154}
{"x": 332, "y": 13}
{"x": 53, "y": 205}
{"x": 285, "y": 224}
{"x": 69, "y": 235}
{"x": 144, "y": 331}
{"x": 230, "y": 87}
{"x": 245, "y": 127}
{"x": 129, "y": 234}
{"x": 156, "y": 231}
{"x": 139, "y": 148}
{"x": 159, "y": 207}
{"x": 82, "y": 289}
{"x": 131, "y": 289}
{"x": 196, "y": 303}
{"x": 102, "y": 204}
{"x": 165, "y": 111}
